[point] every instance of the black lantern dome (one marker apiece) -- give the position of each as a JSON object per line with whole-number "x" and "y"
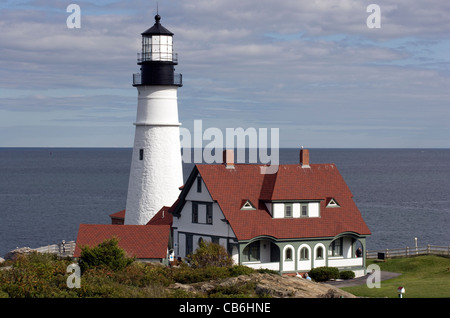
{"x": 157, "y": 59}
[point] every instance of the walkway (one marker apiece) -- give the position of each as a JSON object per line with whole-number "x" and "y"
{"x": 360, "y": 280}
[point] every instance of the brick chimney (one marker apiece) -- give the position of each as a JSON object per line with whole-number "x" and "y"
{"x": 304, "y": 158}
{"x": 228, "y": 158}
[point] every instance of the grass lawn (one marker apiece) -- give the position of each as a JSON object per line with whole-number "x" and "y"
{"x": 422, "y": 277}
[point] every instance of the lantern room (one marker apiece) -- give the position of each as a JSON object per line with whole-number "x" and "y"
{"x": 157, "y": 44}
{"x": 157, "y": 59}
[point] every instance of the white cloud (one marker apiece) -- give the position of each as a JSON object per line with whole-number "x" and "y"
{"x": 247, "y": 63}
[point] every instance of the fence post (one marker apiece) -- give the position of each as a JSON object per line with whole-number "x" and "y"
{"x": 428, "y": 249}
{"x": 407, "y": 251}
{"x": 387, "y": 253}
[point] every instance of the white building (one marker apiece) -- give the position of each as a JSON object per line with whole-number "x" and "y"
{"x": 156, "y": 167}
{"x": 300, "y": 218}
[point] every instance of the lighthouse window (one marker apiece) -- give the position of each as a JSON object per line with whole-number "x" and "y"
{"x": 141, "y": 154}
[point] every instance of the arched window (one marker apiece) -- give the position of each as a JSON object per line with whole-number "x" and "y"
{"x": 288, "y": 254}
{"x": 319, "y": 252}
{"x": 304, "y": 253}
{"x": 251, "y": 252}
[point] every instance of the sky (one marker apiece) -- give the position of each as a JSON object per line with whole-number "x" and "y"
{"x": 312, "y": 69}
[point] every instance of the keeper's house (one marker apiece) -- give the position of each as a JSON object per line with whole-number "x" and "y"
{"x": 297, "y": 219}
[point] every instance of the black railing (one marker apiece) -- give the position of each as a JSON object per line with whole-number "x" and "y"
{"x": 157, "y": 56}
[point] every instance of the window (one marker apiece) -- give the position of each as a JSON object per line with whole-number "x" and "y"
{"x": 304, "y": 210}
{"x": 251, "y": 252}
{"x": 333, "y": 204}
{"x": 209, "y": 214}
{"x": 202, "y": 212}
{"x": 288, "y": 254}
{"x": 189, "y": 243}
{"x": 194, "y": 212}
{"x": 304, "y": 253}
{"x": 335, "y": 248}
{"x": 248, "y": 206}
{"x": 319, "y": 252}
{"x": 141, "y": 154}
{"x": 199, "y": 184}
{"x": 287, "y": 210}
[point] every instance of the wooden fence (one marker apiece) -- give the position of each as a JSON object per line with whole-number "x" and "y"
{"x": 409, "y": 251}
{"x": 64, "y": 250}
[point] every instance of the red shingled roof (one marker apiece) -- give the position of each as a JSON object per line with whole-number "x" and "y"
{"x": 141, "y": 241}
{"x": 119, "y": 215}
{"x": 228, "y": 187}
{"x": 163, "y": 217}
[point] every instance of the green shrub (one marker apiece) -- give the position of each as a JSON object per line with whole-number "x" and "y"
{"x": 188, "y": 275}
{"x": 321, "y": 274}
{"x": 238, "y": 270}
{"x": 267, "y": 271}
{"x": 209, "y": 254}
{"x": 346, "y": 275}
{"x": 35, "y": 275}
{"x": 242, "y": 290}
{"x": 107, "y": 254}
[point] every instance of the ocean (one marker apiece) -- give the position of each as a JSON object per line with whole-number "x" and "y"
{"x": 45, "y": 193}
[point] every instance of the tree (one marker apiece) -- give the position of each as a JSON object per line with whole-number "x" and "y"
{"x": 107, "y": 254}
{"x": 209, "y": 254}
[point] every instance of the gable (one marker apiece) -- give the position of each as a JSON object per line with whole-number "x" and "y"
{"x": 198, "y": 191}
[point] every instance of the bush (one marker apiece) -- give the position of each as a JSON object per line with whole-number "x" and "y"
{"x": 321, "y": 274}
{"x": 209, "y": 254}
{"x": 346, "y": 275}
{"x": 107, "y": 254}
{"x": 188, "y": 275}
{"x": 238, "y": 270}
{"x": 34, "y": 275}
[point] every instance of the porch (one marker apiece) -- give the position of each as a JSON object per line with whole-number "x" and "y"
{"x": 343, "y": 252}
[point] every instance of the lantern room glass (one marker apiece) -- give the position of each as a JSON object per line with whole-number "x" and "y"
{"x": 157, "y": 48}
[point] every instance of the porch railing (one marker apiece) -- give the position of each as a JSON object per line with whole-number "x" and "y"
{"x": 256, "y": 265}
{"x": 344, "y": 262}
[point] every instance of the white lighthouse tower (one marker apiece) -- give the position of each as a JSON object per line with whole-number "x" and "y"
{"x": 156, "y": 167}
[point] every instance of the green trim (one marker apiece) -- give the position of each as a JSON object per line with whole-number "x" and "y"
{"x": 311, "y": 243}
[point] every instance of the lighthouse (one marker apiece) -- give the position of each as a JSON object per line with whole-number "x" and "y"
{"x": 156, "y": 167}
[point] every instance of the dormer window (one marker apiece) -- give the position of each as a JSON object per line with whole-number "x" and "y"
{"x": 295, "y": 210}
{"x": 332, "y": 203}
{"x": 248, "y": 206}
{"x": 304, "y": 210}
{"x": 288, "y": 210}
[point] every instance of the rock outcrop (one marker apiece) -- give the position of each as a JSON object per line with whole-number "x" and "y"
{"x": 271, "y": 285}
{"x": 12, "y": 255}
